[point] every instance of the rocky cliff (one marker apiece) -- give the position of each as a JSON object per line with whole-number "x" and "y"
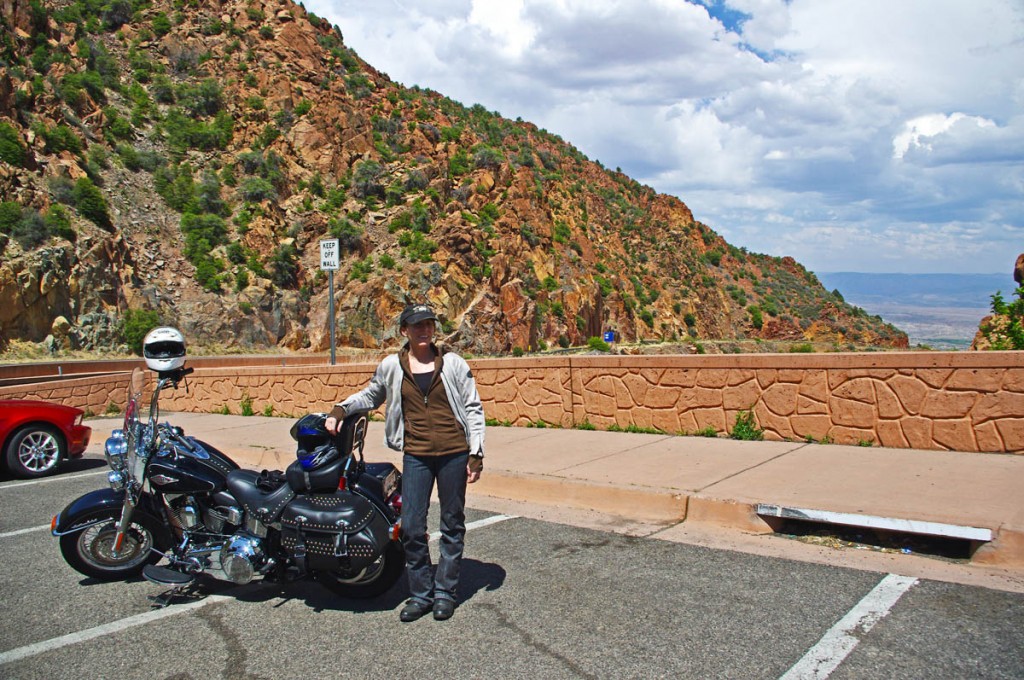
{"x": 1003, "y": 329}
{"x": 188, "y": 157}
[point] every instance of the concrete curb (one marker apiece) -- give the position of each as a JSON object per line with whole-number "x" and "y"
{"x": 651, "y": 505}
{"x": 714, "y": 501}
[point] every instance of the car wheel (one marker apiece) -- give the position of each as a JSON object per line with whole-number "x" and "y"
{"x": 35, "y": 451}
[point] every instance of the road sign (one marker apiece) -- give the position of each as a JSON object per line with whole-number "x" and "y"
{"x": 329, "y": 254}
{"x": 609, "y": 336}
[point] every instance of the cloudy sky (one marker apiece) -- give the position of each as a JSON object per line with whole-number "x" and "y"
{"x": 853, "y": 135}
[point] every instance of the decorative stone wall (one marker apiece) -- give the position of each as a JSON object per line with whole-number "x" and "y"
{"x": 963, "y": 401}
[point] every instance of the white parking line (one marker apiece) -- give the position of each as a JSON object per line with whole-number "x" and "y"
{"x": 106, "y": 629}
{"x": 493, "y": 519}
{"x": 24, "y": 531}
{"x": 148, "y": 617}
{"x": 824, "y": 657}
{"x": 58, "y": 478}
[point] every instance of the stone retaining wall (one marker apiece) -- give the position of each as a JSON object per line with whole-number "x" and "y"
{"x": 963, "y": 401}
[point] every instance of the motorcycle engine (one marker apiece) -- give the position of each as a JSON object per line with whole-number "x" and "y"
{"x": 242, "y": 557}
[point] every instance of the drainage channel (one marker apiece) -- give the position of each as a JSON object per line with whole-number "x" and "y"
{"x": 868, "y": 532}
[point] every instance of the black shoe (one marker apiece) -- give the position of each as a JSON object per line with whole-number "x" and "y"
{"x": 413, "y": 610}
{"x": 443, "y": 609}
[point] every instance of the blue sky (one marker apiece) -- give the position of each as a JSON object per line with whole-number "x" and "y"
{"x": 857, "y": 135}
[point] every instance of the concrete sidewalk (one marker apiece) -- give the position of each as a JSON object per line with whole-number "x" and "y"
{"x": 702, "y": 481}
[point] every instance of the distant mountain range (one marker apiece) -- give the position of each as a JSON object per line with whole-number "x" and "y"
{"x": 938, "y": 310}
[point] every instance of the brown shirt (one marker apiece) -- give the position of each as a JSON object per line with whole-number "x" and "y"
{"x": 431, "y": 428}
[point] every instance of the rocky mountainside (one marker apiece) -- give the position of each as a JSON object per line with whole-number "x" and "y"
{"x": 1003, "y": 329}
{"x": 184, "y": 159}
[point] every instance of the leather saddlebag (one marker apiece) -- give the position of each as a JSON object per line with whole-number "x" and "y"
{"x": 338, "y": 531}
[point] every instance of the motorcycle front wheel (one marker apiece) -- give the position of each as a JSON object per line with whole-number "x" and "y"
{"x": 375, "y": 580}
{"x": 91, "y": 550}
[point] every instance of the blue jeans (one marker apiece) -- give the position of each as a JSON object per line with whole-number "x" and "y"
{"x": 418, "y": 476}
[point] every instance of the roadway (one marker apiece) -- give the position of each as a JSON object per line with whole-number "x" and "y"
{"x": 539, "y": 599}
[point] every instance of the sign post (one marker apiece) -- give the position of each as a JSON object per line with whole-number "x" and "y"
{"x": 329, "y": 261}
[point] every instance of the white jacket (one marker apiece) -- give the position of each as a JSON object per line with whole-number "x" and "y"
{"x": 459, "y": 385}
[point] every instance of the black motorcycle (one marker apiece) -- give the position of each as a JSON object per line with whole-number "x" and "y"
{"x": 330, "y": 516}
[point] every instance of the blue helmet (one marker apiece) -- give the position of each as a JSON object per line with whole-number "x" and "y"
{"x": 316, "y": 447}
{"x": 318, "y": 457}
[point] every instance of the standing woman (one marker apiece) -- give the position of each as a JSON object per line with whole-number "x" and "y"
{"x": 433, "y": 415}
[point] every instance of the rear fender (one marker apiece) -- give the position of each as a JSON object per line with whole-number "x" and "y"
{"x": 100, "y": 505}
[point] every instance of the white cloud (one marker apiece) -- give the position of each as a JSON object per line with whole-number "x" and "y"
{"x": 871, "y": 132}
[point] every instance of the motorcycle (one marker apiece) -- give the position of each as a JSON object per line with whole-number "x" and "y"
{"x": 330, "y": 517}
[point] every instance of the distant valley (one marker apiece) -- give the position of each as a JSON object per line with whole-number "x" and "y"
{"x": 941, "y": 311}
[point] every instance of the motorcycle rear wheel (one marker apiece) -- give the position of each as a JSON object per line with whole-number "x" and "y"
{"x": 375, "y": 580}
{"x": 90, "y": 551}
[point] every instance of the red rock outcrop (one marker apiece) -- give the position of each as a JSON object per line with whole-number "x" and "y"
{"x": 516, "y": 237}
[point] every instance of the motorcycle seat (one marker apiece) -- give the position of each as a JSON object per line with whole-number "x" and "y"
{"x": 265, "y": 506}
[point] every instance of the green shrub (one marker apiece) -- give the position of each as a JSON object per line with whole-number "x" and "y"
{"x": 202, "y": 233}
{"x": 416, "y": 246}
{"x": 285, "y": 266}
{"x": 561, "y": 233}
{"x": 161, "y": 24}
{"x": 59, "y": 222}
{"x": 1005, "y": 331}
{"x": 256, "y": 189}
{"x": 31, "y": 230}
{"x": 11, "y": 149}
{"x": 175, "y": 185}
{"x": 802, "y": 348}
{"x": 598, "y": 344}
{"x": 184, "y": 133}
{"x": 204, "y": 99}
{"x": 713, "y": 257}
{"x": 10, "y": 215}
{"x": 459, "y": 163}
{"x": 349, "y": 235}
{"x": 756, "y": 318}
{"x": 246, "y": 405}
{"x": 74, "y": 87}
{"x": 366, "y": 181}
{"x": 162, "y": 89}
{"x": 745, "y": 428}
{"x": 61, "y": 138}
{"x": 91, "y": 204}
{"x": 135, "y": 324}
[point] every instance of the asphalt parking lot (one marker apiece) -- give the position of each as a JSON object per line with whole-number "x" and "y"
{"x": 539, "y": 599}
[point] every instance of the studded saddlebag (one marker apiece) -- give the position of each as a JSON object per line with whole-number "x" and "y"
{"x": 338, "y": 531}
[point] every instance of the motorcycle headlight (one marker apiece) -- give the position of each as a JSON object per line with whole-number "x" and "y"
{"x": 115, "y": 449}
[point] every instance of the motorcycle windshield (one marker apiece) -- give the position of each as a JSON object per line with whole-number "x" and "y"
{"x": 135, "y": 423}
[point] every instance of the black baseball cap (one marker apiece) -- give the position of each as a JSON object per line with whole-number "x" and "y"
{"x": 413, "y": 314}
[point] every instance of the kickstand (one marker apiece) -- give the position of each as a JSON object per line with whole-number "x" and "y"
{"x": 188, "y": 592}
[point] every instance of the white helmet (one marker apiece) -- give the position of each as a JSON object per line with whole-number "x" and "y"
{"x": 164, "y": 349}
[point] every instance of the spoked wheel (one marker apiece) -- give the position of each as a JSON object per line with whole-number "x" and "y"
{"x": 35, "y": 451}
{"x": 376, "y": 579}
{"x": 91, "y": 551}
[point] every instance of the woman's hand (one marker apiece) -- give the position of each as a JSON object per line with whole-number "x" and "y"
{"x": 331, "y": 424}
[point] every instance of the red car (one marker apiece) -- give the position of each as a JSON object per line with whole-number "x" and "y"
{"x": 37, "y": 435}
